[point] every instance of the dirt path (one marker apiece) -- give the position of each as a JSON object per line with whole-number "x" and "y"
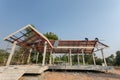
{"x": 80, "y": 76}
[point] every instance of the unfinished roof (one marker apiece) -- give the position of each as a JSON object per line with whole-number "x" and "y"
{"x": 29, "y": 37}
{"x": 76, "y": 46}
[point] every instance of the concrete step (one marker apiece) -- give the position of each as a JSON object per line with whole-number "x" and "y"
{"x": 12, "y": 73}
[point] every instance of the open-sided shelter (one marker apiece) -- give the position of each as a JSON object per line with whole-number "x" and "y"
{"x": 30, "y": 38}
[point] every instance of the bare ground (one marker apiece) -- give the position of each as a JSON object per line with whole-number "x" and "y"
{"x": 111, "y": 75}
{"x": 80, "y": 76}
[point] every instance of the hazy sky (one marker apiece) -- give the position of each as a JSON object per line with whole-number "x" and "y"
{"x": 69, "y": 19}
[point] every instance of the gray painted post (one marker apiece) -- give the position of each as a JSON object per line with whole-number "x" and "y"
{"x": 50, "y": 58}
{"x": 70, "y": 57}
{"x": 11, "y": 53}
{"x": 44, "y": 53}
{"x": 103, "y": 57}
{"x": 83, "y": 57}
{"x": 93, "y": 58}
{"x": 78, "y": 59}
{"x": 28, "y": 60}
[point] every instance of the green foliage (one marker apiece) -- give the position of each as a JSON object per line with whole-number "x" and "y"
{"x": 64, "y": 58}
{"x": 117, "y": 59}
{"x": 47, "y": 58}
{"x": 74, "y": 59}
{"x": 33, "y": 57}
{"x": 88, "y": 59}
{"x": 110, "y": 60}
{"x": 51, "y": 36}
{"x": 19, "y": 56}
{"x": 57, "y": 58}
{"x": 40, "y": 58}
{"x": 99, "y": 61}
{"x": 3, "y": 57}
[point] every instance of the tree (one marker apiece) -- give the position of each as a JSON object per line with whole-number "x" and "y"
{"x": 88, "y": 59}
{"x": 99, "y": 61}
{"x": 74, "y": 59}
{"x": 51, "y": 36}
{"x": 110, "y": 59}
{"x": 3, "y": 57}
{"x": 117, "y": 58}
{"x": 64, "y": 58}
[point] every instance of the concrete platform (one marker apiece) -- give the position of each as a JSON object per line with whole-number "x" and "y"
{"x": 81, "y": 67}
{"x": 36, "y": 69}
{"x": 14, "y": 72}
{"x": 11, "y": 72}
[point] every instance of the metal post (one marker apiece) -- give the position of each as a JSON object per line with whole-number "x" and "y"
{"x": 70, "y": 57}
{"x": 44, "y": 53}
{"x": 28, "y": 60}
{"x": 83, "y": 57}
{"x": 103, "y": 57}
{"x": 11, "y": 53}
{"x": 37, "y": 57}
{"x": 93, "y": 58}
{"x": 50, "y": 57}
{"x": 78, "y": 59}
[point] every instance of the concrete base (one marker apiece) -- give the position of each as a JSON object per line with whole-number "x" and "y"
{"x": 81, "y": 67}
{"x": 14, "y": 72}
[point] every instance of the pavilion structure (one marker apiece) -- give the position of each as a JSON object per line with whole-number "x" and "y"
{"x": 30, "y": 38}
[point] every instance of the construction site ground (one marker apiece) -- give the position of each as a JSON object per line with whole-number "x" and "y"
{"x": 73, "y": 75}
